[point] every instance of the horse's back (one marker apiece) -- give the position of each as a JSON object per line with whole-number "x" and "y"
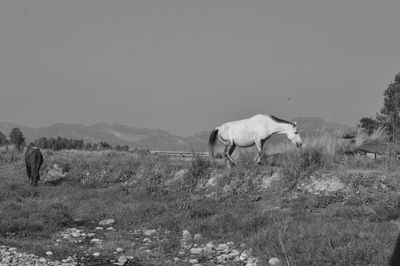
{"x": 34, "y": 157}
{"x": 243, "y": 132}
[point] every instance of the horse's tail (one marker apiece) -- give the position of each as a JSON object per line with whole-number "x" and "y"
{"x": 211, "y": 142}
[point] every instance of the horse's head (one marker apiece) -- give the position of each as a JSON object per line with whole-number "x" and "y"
{"x": 293, "y": 135}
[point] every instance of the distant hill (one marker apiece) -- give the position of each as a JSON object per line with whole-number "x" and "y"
{"x": 153, "y": 139}
{"x": 312, "y": 126}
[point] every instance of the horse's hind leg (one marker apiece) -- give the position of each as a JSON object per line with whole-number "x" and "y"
{"x": 259, "y": 145}
{"x": 227, "y": 153}
{"x": 231, "y": 149}
{"x": 29, "y": 174}
{"x": 35, "y": 176}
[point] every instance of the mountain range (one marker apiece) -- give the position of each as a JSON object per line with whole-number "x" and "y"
{"x": 143, "y": 138}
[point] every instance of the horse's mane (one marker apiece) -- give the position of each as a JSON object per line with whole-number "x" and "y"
{"x": 276, "y": 119}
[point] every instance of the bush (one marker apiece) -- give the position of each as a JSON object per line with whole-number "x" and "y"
{"x": 199, "y": 168}
{"x": 299, "y": 165}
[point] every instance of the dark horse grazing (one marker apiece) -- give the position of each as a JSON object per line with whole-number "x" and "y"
{"x": 33, "y": 162}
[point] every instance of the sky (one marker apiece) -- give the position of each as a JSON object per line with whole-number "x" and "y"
{"x": 185, "y": 66}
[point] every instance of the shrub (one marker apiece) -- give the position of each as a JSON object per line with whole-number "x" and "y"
{"x": 199, "y": 168}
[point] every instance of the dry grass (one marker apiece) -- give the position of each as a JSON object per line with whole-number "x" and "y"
{"x": 345, "y": 228}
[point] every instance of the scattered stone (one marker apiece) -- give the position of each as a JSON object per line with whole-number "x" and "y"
{"x": 196, "y": 250}
{"x": 149, "y": 232}
{"x": 122, "y": 259}
{"x": 95, "y": 240}
{"x": 193, "y": 250}
{"x": 99, "y": 228}
{"x": 193, "y": 261}
{"x": 224, "y": 248}
{"x": 107, "y": 222}
{"x": 197, "y": 237}
{"x": 275, "y": 262}
{"x": 55, "y": 175}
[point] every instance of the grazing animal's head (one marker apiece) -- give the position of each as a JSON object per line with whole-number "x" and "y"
{"x": 293, "y": 135}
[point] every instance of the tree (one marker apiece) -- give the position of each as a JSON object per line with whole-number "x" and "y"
{"x": 369, "y": 124}
{"x": 104, "y": 145}
{"x": 3, "y": 139}
{"x": 42, "y": 143}
{"x": 17, "y": 138}
{"x": 389, "y": 116}
{"x": 94, "y": 147}
{"x": 88, "y": 146}
{"x": 125, "y": 148}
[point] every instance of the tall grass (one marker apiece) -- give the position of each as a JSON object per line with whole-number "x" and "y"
{"x": 378, "y": 134}
{"x": 317, "y": 153}
{"x": 343, "y": 229}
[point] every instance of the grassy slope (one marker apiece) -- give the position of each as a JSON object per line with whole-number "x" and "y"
{"x": 350, "y": 227}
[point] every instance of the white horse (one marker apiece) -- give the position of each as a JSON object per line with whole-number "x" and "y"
{"x": 252, "y": 131}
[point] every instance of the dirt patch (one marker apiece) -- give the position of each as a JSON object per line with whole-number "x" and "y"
{"x": 325, "y": 185}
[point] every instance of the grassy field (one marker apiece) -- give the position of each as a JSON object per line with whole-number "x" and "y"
{"x": 314, "y": 206}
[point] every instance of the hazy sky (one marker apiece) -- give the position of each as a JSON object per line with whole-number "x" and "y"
{"x": 186, "y": 66}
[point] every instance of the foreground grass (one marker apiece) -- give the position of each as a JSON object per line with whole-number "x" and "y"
{"x": 301, "y": 229}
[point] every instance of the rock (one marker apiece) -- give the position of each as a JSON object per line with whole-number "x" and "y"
{"x": 55, "y": 174}
{"x": 197, "y": 237}
{"x": 196, "y": 250}
{"x": 224, "y": 248}
{"x": 150, "y": 232}
{"x": 107, "y": 222}
{"x": 186, "y": 234}
{"x": 95, "y": 240}
{"x": 99, "y": 228}
{"x": 119, "y": 249}
{"x": 178, "y": 177}
{"x": 49, "y": 253}
{"x": 234, "y": 254}
{"x": 193, "y": 261}
{"x": 122, "y": 259}
{"x": 76, "y": 234}
{"x": 222, "y": 258}
{"x": 275, "y": 262}
{"x": 96, "y": 254}
{"x": 244, "y": 256}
